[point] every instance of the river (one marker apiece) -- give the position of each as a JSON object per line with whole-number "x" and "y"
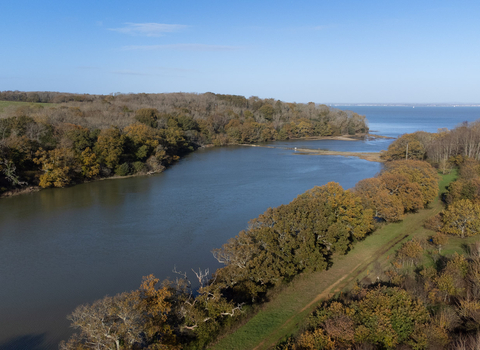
{"x": 63, "y": 247}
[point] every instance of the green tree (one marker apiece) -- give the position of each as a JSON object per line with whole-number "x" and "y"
{"x": 147, "y": 116}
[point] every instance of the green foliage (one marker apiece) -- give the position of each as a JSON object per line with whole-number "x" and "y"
{"x": 122, "y": 169}
{"x": 139, "y": 167}
{"x": 186, "y": 122}
{"x": 382, "y": 316}
{"x": 267, "y": 111}
{"x": 147, "y": 116}
{"x": 293, "y": 238}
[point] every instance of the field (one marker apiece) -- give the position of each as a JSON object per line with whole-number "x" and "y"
{"x": 7, "y": 104}
{"x": 284, "y": 314}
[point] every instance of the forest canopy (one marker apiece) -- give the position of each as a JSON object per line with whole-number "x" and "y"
{"x": 55, "y": 139}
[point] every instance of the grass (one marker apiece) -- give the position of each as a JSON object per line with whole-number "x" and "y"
{"x": 285, "y": 313}
{"x": 5, "y": 104}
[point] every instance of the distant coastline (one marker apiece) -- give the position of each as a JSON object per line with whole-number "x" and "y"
{"x": 404, "y": 104}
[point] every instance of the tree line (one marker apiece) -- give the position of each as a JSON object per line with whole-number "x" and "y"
{"x": 77, "y": 138}
{"x": 458, "y": 148}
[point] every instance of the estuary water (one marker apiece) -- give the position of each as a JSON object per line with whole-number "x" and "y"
{"x": 63, "y": 247}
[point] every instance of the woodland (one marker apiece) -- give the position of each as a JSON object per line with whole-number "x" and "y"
{"x": 55, "y": 140}
{"x": 425, "y": 299}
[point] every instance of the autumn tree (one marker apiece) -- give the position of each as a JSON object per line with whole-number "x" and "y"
{"x": 410, "y": 252}
{"x": 383, "y": 317}
{"x": 407, "y": 146}
{"x": 125, "y": 321}
{"x": 461, "y": 218}
{"x": 374, "y": 195}
{"x": 408, "y": 193}
{"x": 90, "y": 166}
{"x": 56, "y": 166}
{"x": 109, "y": 147}
{"x": 417, "y": 172}
{"x": 141, "y": 140}
{"x": 107, "y": 323}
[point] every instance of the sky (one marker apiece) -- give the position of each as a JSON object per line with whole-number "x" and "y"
{"x": 322, "y": 51}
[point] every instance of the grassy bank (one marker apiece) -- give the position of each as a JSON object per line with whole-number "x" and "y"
{"x": 284, "y": 314}
{"x": 5, "y": 104}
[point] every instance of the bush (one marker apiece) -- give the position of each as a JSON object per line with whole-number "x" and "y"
{"x": 139, "y": 167}
{"x": 122, "y": 169}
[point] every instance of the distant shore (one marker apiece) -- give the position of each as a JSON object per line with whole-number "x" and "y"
{"x": 370, "y": 156}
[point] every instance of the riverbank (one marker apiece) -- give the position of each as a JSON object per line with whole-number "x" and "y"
{"x": 370, "y": 156}
{"x": 19, "y": 191}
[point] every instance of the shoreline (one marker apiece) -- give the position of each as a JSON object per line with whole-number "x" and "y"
{"x": 370, "y": 156}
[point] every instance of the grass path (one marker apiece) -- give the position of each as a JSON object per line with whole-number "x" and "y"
{"x": 284, "y": 314}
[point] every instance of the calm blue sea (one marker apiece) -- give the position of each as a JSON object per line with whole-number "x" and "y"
{"x": 395, "y": 121}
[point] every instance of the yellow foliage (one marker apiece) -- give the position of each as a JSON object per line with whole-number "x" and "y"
{"x": 55, "y": 165}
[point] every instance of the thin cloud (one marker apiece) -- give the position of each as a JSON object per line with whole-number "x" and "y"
{"x": 129, "y": 72}
{"x": 149, "y": 29}
{"x": 88, "y": 67}
{"x": 182, "y": 47}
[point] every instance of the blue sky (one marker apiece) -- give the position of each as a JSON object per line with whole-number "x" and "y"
{"x": 320, "y": 51}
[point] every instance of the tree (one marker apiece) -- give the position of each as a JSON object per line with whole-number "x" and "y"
{"x": 408, "y": 193}
{"x": 407, "y": 146}
{"x": 56, "y": 167}
{"x": 410, "y": 252}
{"x": 461, "y": 218}
{"x": 141, "y": 140}
{"x": 267, "y": 111}
{"x": 418, "y": 172}
{"x": 147, "y": 116}
{"x": 109, "y": 147}
{"x": 90, "y": 166}
{"x": 389, "y": 316}
{"x": 107, "y": 323}
{"x": 374, "y": 195}
{"x": 137, "y": 318}
{"x": 344, "y": 208}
